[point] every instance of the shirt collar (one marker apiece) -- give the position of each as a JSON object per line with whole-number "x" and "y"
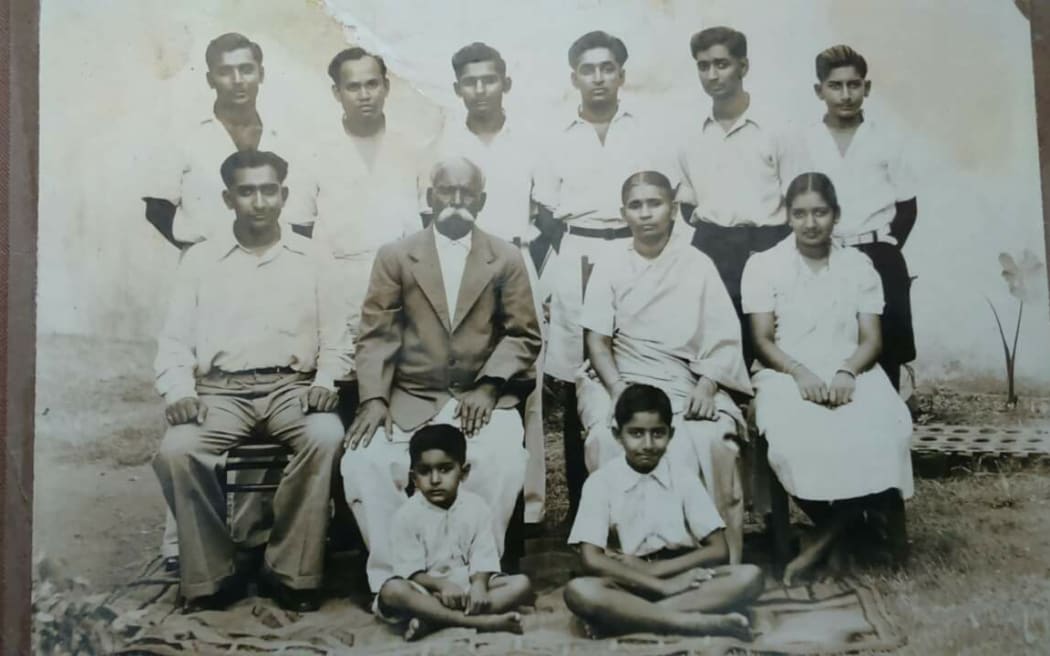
{"x": 446, "y": 244}
{"x": 288, "y": 241}
{"x": 431, "y": 507}
{"x": 621, "y": 113}
{"x": 749, "y": 116}
{"x": 628, "y": 478}
{"x": 834, "y": 255}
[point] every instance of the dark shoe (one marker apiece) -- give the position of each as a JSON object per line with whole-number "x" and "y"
{"x": 171, "y": 565}
{"x": 290, "y": 599}
{"x": 230, "y": 592}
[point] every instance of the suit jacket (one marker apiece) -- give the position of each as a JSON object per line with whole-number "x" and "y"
{"x": 411, "y": 355}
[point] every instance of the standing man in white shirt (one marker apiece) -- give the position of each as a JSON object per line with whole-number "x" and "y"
{"x": 576, "y": 189}
{"x": 732, "y": 189}
{"x": 503, "y": 149}
{"x": 364, "y": 179}
{"x": 252, "y": 341}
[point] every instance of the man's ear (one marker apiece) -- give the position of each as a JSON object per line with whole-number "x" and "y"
{"x": 262, "y": 74}
{"x": 575, "y": 80}
{"x": 818, "y": 90}
{"x": 482, "y": 197}
{"x": 455, "y": 87}
{"x": 466, "y": 470}
{"x": 284, "y": 193}
{"x": 745, "y": 66}
{"x": 670, "y": 432}
{"x": 507, "y": 83}
{"x": 623, "y": 75}
{"x": 623, "y": 213}
{"x": 211, "y": 82}
{"x": 335, "y": 94}
{"x": 430, "y": 198}
{"x": 867, "y": 87}
{"x": 227, "y": 198}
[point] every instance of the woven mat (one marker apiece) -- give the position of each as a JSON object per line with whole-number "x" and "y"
{"x": 822, "y": 618}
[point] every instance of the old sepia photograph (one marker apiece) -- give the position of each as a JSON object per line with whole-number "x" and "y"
{"x": 556, "y": 327}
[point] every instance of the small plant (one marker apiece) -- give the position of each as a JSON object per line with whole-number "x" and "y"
{"x": 1021, "y": 278}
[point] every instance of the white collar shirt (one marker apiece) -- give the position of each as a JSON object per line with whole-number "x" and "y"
{"x": 870, "y": 178}
{"x": 733, "y": 176}
{"x": 667, "y": 508}
{"x": 578, "y": 178}
{"x": 451, "y": 543}
{"x": 452, "y": 257}
{"x": 233, "y": 310}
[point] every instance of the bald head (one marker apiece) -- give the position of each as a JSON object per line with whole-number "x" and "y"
{"x": 460, "y": 168}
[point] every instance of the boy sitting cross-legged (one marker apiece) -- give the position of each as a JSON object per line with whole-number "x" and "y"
{"x": 666, "y": 572}
{"x": 447, "y": 570}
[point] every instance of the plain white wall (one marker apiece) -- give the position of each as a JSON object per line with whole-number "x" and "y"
{"x": 118, "y": 77}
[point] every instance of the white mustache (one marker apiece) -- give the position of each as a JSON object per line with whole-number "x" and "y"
{"x": 460, "y": 213}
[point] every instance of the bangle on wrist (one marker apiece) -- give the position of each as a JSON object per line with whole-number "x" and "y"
{"x": 846, "y": 370}
{"x": 795, "y": 364}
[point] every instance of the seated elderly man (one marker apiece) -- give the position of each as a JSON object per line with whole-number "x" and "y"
{"x": 252, "y": 342}
{"x": 448, "y": 334}
{"x": 660, "y": 315}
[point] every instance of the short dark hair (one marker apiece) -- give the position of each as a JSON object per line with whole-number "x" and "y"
{"x": 445, "y": 437}
{"x": 352, "y": 54}
{"x": 839, "y": 57}
{"x": 733, "y": 40}
{"x": 816, "y": 182}
{"x": 642, "y": 398}
{"x": 654, "y": 178}
{"x": 250, "y": 159}
{"x": 477, "y": 52}
{"x": 597, "y": 39}
{"x": 229, "y": 42}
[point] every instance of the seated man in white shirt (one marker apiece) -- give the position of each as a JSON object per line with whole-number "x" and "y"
{"x": 659, "y": 314}
{"x": 252, "y": 342}
{"x": 449, "y": 334}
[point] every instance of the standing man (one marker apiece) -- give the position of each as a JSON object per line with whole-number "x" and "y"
{"x": 235, "y": 73}
{"x": 876, "y": 188}
{"x": 732, "y": 188}
{"x": 503, "y": 150}
{"x": 364, "y": 179}
{"x": 576, "y": 187}
{"x": 448, "y": 335}
{"x": 252, "y": 342}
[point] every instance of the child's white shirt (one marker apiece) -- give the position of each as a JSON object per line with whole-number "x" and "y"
{"x": 453, "y": 543}
{"x": 668, "y": 508}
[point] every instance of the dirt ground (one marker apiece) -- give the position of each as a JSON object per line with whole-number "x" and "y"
{"x": 978, "y": 581}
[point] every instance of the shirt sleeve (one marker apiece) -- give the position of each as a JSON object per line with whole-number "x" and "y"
{"x": 176, "y": 363}
{"x": 869, "y": 285}
{"x": 407, "y": 553}
{"x": 599, "y": 312}
{"x": 483, "y": 556}
{"x": 335, "y": 356}
{"x": 701, "y": 516}
{"x": 592, "y": 517}
{"x": 686, "y": 193}
{"x": 901, "y": 174}
{"x": 546, "y": 183}
{"x": 756, "y": 288}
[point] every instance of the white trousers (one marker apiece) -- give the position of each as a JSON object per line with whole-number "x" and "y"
{"x": 375, "y": 478}
{"x": 707, "y": 447}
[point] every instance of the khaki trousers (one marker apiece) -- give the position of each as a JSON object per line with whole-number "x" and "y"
{"x": 188, "y": 467}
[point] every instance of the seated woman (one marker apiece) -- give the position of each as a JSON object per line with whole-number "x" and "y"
{"x": 839, "y": 436}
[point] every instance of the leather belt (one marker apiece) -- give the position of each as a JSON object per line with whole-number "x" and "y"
{"x": 600, "y": 233}
{"x": 869, "y": 237}
{"x": 261, "y": 371}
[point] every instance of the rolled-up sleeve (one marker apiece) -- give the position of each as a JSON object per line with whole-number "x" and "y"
{"x": 591, "y": 525}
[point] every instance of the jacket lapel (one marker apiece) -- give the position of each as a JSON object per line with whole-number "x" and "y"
{"x": 476, "y": 276}
{"x": 427, "y": 271}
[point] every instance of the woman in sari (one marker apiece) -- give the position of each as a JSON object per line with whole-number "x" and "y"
{"x": 839, "y": 436}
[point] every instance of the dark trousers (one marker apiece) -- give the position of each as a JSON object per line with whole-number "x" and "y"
{"x": 898, "y": 339}
{"x": 729, "y": 249}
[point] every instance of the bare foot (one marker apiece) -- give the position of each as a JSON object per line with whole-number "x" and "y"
{"x": 808, "y": 558}
{"x": 416, "y": 629}
{"x": 734, "y": 625}
{"x": 509, "y": 622}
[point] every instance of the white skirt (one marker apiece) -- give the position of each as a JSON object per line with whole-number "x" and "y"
{"x": 824, "y": 454}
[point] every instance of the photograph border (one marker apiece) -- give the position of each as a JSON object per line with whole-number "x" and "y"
{"x": 19, "y": 23}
